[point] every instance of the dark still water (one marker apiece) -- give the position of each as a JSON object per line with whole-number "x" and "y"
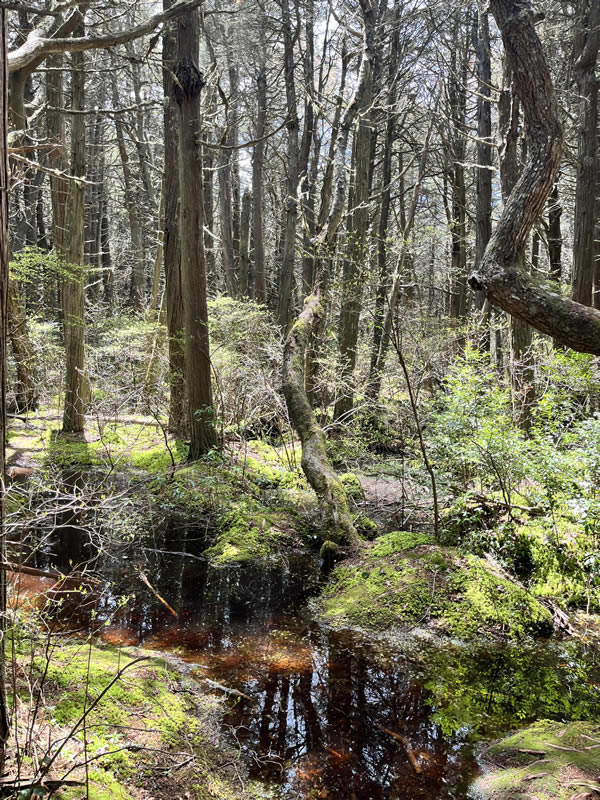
{"x": 318, "y": 713}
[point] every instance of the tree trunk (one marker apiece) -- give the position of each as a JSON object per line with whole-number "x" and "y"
{"x": 226, "y": 223}
{"x": 260, "y": 283}
{"x": 4, "y": 250}
{"x": 286, "y": 280}
{"x": 26, "y": 396}
{"x": 555, "y": 234}
{"x": 172, "y": 251}
{"x": 586, "y": 45}
{"x": 337, "y": 521}
{"x": 244, "y": 243}
{"x": 522, "y": 367}
{"x": 137, "y": 285}
{"x": 73, "y": 306}
{"x": 355, "y": 262}
{"x": 386, "y": 183}
{"x": 187, "y": 88}
{"x": 506, "y": 285}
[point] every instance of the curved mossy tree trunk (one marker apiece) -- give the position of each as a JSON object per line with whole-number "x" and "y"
{"x": 338, "y": 527}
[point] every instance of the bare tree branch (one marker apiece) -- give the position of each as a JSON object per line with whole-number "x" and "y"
{"x": 37, "y": 46}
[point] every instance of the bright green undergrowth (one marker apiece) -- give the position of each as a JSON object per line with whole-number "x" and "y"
{"x": 404, "y": 579}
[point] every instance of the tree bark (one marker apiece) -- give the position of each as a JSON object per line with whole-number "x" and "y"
{"x": 4, "y": 255}
{"x": 499, "y": 274}
{"x": 586, "y": 46}
{"x": 286, "y": 279}
{"x": 244, "y": 243}
{"x": 355, "y": 261}
{"x": 26, "y": 396}
{"x": 171, "y": 245}
{"x": 73, "y": 306}
{"x": 138, "y": 255}
{"x": 555, "y": 234}
{"x": 260, "y": 283}
{"x": 337, "y": 521}
{"x": 187, "y": 88}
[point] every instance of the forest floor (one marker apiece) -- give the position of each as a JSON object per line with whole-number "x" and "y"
{"x": 399, "y": 578}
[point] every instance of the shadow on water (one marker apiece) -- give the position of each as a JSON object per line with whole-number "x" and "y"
{"x": 321, "y": 713}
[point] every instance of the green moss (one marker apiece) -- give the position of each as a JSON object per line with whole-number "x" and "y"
{"x": 398, "y": 542}
{"x": 402, "y": 579}
{"x": 561, "y": 767}
{"x": 152, "y": 705}
{"x": 248, "y": 534}
{"x": 480, "y": 598}
{"x": 353, "y": 486}
{"x": 158, "y": 459}
{"x": 103, "y": 786}
{"x": 366, "y": 527}
{"x": 376, "y": 597}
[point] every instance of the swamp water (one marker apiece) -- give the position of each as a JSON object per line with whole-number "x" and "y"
{"x": 317, "y": 713}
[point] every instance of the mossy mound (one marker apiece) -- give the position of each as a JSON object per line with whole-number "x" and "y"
{"x": 151, "y": 726}
{"x": 405, "y": 580}
{"x": 548, "y": 761}
{"x": 252, "y": 534}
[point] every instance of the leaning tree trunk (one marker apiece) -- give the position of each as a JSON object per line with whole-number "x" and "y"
{"x": 499, "y": 274}
{"x": 338, "y": 525}
{"x": 187, "y": 88}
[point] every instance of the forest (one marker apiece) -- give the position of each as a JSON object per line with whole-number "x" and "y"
{"x": 300, "y": 400}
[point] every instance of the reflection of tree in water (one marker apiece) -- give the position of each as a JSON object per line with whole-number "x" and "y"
{"x": 330, "y": 726}
{"x": 494, "y": 687}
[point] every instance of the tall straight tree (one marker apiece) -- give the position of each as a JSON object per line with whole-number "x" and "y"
{"x": 4, "y": 250}
{"x": 483, "y": 230}
{"x": 585, "y": 51}
{"x": 73, "y": 305}
{"x": 187, "y": 87}
{"x": 286, "y": 287}
{"x": 355, "y": 260}
{"x": 171, "y": 245}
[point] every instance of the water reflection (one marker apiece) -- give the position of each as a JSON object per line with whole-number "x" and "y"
{"x": 324, "y": 714}
{"x": 331, "y": 719}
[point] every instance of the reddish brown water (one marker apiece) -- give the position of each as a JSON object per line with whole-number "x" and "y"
{"x": 320, "y": 714}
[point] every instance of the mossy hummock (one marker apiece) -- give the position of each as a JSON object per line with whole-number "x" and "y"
{"x": 549, "y": 761}
{"x": 405, "y": 580}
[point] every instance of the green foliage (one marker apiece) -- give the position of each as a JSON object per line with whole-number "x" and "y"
{"x": 32, "y": 263}
{"x": 472, "y": 434}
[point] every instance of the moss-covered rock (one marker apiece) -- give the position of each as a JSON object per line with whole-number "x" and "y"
{"x": 404, "y": 579}
{"x": 548, "y": 760}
